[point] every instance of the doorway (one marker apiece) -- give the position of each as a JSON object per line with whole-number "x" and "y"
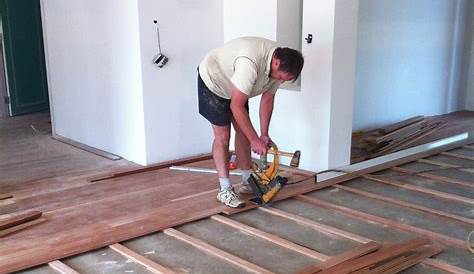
{"x": 24, "y": 63}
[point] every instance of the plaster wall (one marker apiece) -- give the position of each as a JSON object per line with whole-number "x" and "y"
{"x": 409, "y": 60}
{"x": 188, "y": 30}
{"x": 468, "y": 83}
{"x": 94, "y": 74}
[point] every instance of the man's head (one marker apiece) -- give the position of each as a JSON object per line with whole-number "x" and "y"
{"x": 286, "y": 64}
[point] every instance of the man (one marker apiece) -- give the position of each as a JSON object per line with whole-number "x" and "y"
{"x": 228, "y": 77}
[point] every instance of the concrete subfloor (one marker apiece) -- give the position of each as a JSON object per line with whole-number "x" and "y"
{"x": 37, "y": 155}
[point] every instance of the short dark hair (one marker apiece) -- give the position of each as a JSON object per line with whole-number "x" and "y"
{"x": 291, "y": 61}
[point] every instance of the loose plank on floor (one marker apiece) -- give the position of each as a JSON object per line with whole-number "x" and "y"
{"x": 270, "y": 237}
{"x": 406, "y": 204}
{"x": 365, "y": 216}
{"x": 216, "y": 252}
{"x": 62, "y": 267}
{"x": 142, "y": 260}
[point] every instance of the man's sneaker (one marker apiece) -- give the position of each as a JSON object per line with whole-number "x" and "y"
{"x": 229, "y": 198}
{"x": 245, "y": 189}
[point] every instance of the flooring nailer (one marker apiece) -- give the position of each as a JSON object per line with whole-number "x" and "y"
{"x": 264, "y": 180}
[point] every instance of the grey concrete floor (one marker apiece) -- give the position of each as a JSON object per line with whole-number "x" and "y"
{"x": 29, "y": 153}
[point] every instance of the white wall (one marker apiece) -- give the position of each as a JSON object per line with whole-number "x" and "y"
{"x": 250, "y": 18}
{"x": 468, "y": 79}
{"x": 289, "y": 23}
{"x": 408, "y": 60}
{"x": 188, "y": 30}
{"x": 105, "y": 91}
{"x": 94, "y": 74}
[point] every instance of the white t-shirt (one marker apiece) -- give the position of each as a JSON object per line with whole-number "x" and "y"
{"x": 244, "y": 63}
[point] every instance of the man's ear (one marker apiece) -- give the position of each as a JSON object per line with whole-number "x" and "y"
{"x": 276, "y": 62}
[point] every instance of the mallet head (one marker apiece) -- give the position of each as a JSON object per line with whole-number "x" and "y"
{"x": 295, "y": 160}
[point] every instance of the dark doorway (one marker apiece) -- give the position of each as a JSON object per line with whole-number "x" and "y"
{"x": 24, "y": 56}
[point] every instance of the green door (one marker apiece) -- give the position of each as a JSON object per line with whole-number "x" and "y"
{"x": 24, "y": 55}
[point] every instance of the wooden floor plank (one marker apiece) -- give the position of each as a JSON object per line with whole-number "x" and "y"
{"x": 446, "y": 267}
{"x": 154, "y": 167}
{"x": 436, "y": 193}
{"x": 328, "y": 230}
{"x": 382, "y": 254}
{"x": 230, "y": 258}
{"x": 20, "y": 227}
{"x": 432, "y": 176}
{"x": 469, "y": 147}
{"x": 406, "y": 204}
{"x": 420, "y": 255}
{"x": 125, "y": 210}
{"x": 21, "y": 252}
{"x": 270, "y": 237}
{"x": 153, "y": 266}
{"x": 5, "y": 196}
{"x": 456, "y": 155}
{"x": 369, "y": 217}
{"x": 348, "y": 255}
{"x": 18, "y": 219}
{"x": 62, "y": 267}
{"x": 469, "y": 169}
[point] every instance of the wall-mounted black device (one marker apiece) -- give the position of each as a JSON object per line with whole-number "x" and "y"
{"x": 160, "y": 59}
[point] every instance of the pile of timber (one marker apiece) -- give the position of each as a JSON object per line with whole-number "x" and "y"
{"x": 401, "y": 135}
{"x": 373, "y": 258}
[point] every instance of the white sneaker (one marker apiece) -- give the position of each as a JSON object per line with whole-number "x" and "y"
{"x": 229, "y": 198}
{"x": 245, "y": 189}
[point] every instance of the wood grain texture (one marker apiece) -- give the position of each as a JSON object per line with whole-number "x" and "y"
{"x": 158, "y": 166}
{"x": 346, "y": 256}
{"x": 5, "y": 196}
{"x": 18, "y": 219}
{"x": 386, "y": 252}
{"x": 14, "y": 229}
{"x": 126, "y": 205}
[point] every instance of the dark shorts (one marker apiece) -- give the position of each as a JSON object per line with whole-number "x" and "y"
{"x": 214, "y": 108}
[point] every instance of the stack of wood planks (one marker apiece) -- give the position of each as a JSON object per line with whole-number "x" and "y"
{"x": 374, "y": 258}
{"x": 401, "y": 135}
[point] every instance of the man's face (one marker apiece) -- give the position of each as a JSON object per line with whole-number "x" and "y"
{"x": 279, "y": 75}
{"x": 282, "y": 76}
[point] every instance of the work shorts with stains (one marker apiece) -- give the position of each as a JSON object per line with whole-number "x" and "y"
{"x": 214, "y": 108}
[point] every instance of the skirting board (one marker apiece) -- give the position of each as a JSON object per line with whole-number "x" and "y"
{"x": 87, "y": 148}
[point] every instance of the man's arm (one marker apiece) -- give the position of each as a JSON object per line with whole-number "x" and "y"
{"x": 237, "y": 105}
{"x": 266, "y": 110}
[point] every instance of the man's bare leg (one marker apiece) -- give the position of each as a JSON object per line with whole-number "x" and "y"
{"x": 220, "y": 153}
{"x": 244, "y": 160}
{"x": 242, "y": 148}
{"x": 220, "y": 150}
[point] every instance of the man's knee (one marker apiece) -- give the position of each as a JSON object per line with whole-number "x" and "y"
{"x": 222, "y": 137}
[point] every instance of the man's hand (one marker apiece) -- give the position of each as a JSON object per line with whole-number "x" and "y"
{"x": 266, "y": 139}
{"x": 259, "y": 147}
